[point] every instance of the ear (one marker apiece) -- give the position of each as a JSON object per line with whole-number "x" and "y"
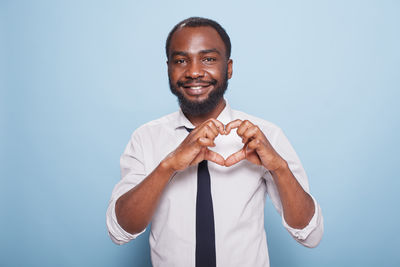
{"x": 167, "y": 66}
{"x": 230, "y": 68}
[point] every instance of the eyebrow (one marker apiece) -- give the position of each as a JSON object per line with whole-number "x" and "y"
{"x": 206, "y": 51}
{"x": 213, "y": 50}
{"x": 179, "y": 53}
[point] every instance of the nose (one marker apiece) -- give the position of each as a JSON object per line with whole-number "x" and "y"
{"x": 194, "y": 70}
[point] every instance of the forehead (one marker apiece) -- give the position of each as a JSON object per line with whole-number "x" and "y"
{"x": 195, "y": 39}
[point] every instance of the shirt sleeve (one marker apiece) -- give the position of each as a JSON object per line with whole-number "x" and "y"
{"x": 310, "y": 235}
{"x": 132, "y": 173}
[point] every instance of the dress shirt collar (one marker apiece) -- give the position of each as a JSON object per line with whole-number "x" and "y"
{"x": 225, "y": 117}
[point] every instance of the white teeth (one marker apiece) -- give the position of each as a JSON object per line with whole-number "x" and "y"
{"x": 195, "y": 87}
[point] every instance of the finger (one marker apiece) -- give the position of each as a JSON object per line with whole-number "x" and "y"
{"x": 220, "y": 126}
{"x": 210, "y": 130}
{"x": 204, "y": 131}
{"x": 232, "y": 125}
{"x": 254, "y": 158}
{"x": 235, "y": 158}
{"x": 252, "y": 149}
{"x": 249, "y": 134}
{"x": 243, "y": 127}
{"x": 199, "y": 157}
{"x": 214, "y": 157}
{"x": 254, "y": 145}
{"x": 216, "y": 126}
{"x": 205, "y": 142}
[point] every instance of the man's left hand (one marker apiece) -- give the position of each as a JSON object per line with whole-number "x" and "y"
{"x": 257, "y": 149}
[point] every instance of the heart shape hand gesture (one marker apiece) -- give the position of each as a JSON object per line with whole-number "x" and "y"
{"x": 194, "y": 148}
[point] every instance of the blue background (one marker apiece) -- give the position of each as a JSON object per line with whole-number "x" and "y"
{"x": 77, "y": 77}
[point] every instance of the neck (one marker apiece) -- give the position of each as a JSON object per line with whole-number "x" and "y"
{"x": 197, "y": 120}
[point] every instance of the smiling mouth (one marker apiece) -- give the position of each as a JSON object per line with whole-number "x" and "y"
{"x": 196, "y": 83}
{"x": 195, "y": 87}
{"x": 197, "y": 90}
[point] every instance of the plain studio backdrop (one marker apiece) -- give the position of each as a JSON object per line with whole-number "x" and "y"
{"x": 77, "y": 77}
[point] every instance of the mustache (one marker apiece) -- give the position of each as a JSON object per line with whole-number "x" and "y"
{"x": 191, "y": 81}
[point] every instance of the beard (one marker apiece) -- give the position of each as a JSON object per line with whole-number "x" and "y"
{"x": 196, "y": 108}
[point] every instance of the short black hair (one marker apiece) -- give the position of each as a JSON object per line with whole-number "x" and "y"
{"x": 201, "y": 22}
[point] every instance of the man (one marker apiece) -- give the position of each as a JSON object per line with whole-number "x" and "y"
{"x": 207, "y": 207}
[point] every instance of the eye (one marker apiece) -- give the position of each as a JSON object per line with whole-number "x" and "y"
{"x": 180, "y": 61}
{"x": 209, "y": 59}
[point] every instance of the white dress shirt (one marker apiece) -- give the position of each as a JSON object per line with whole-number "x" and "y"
{"x": 238, "y": 194}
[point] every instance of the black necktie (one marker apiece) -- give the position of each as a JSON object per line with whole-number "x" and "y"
{"x": 205, "y": 233}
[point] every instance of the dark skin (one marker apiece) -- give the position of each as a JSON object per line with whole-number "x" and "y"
{"x": 199, "y": 53}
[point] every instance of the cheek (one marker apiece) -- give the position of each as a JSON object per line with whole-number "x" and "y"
{"x": 217, "y": 74}
{"x": 218, "y": 70}
{"x": 174, "y": 74}
{"x": 214, "y": 72}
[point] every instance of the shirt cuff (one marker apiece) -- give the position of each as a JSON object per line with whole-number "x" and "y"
{"x": 117, "y": 234}
{"x": 302, "y": 234}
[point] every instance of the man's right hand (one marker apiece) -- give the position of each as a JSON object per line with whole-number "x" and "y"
{"x": 194, "y": 148}
{"x": 135, "y": 208}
